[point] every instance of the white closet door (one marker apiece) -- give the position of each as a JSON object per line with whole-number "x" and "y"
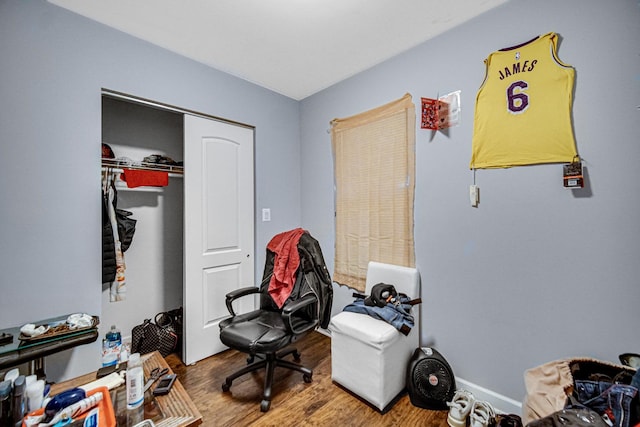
{"x": 219, "y": 228}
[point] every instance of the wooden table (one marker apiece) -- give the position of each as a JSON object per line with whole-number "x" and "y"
{"x": 175, "y": 409}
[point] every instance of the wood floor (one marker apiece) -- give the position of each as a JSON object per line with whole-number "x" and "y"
{"x": 294, "y": 403}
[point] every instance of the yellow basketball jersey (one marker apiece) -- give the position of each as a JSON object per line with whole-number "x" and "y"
{"x": 523, "y": 108}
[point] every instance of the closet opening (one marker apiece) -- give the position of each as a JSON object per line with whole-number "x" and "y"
{"x": 148, "y": 151}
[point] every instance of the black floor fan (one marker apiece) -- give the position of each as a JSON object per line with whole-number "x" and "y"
{"x": 430, "y": 380}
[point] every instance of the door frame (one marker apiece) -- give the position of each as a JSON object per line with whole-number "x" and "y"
{"x": 168, "y": 107}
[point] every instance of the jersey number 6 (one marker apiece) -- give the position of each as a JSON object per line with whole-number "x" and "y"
{"x": 517, "y": 100}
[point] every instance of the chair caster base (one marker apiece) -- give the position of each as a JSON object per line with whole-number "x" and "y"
{"x": 265, "y": 405}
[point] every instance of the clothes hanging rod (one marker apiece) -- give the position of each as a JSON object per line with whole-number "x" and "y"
{"x": 119, "y": 164}
{"x": 120, "y": 170}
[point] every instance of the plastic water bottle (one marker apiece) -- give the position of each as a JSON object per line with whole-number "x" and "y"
{"x": 135, "y": 382}
{"x": 111, "y": 346}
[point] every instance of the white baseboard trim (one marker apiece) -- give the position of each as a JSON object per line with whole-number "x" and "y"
{"x": 324, "y": 332}
{"x": 501, "y": 403}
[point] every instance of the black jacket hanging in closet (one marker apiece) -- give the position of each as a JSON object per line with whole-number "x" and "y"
{"x": 108, "y": 246}
{"x": 126, "y": 230}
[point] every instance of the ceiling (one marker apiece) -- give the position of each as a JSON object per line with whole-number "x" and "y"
{"x": 293, "y": 47}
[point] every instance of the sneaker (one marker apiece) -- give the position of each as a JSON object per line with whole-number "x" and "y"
{"x": 460, "y": 408}
{"x": 482, "y": 414}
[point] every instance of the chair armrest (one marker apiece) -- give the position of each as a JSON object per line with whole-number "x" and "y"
{"x": 291, "y": 308}
{"x": 239, "y": 293}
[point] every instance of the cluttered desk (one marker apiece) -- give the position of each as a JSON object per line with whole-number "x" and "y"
{"x": 163, "y": 406}
{"x": 97, "y": 398}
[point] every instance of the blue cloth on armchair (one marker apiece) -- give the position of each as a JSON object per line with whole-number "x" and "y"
{"x": 398, "y": 314}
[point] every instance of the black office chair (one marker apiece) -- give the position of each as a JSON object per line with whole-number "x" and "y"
{"x": 266, "y": 333}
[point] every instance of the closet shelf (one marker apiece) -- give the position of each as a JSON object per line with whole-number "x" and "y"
{"x": 119, "y": 164}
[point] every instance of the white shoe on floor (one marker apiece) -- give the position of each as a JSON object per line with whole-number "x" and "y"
{"x": 482, "y": 414}
{"x": 460, "y": 408}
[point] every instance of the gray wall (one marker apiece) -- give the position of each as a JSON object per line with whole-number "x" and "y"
{"x": 52, "y": 68}
{"x": 536, "y": 272}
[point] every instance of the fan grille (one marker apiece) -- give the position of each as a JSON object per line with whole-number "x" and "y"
{"x": 432, "y": 380}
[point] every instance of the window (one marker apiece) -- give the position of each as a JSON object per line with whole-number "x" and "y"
{"x": 374, "y": 166}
